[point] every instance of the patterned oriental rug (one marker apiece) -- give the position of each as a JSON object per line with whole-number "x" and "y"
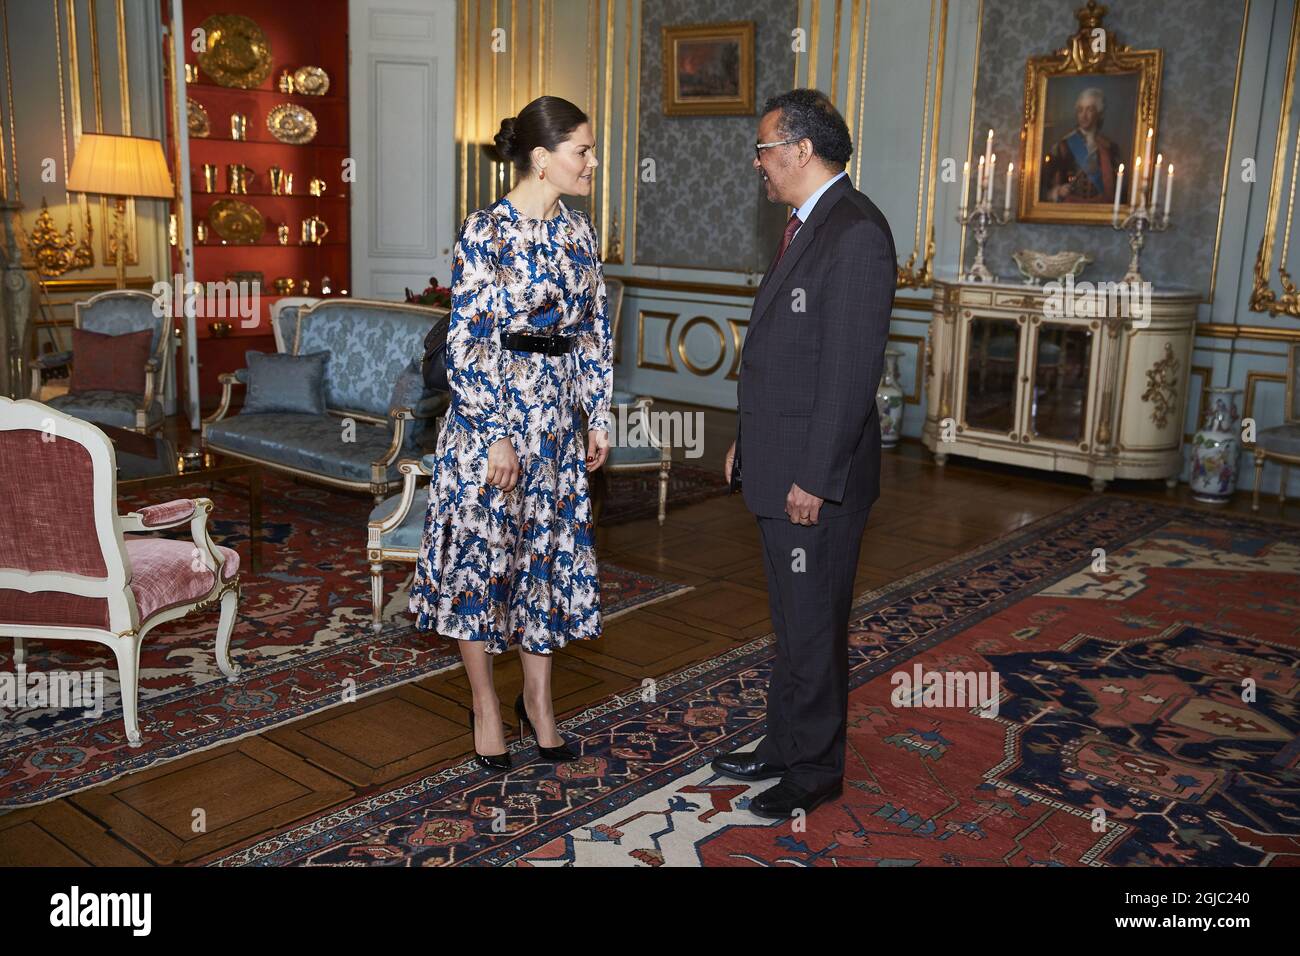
{"x": 1145, "y": 714}
{"x": 303, "y": 631}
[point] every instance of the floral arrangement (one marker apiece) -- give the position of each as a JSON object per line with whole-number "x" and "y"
{"x": 434, "y": 294}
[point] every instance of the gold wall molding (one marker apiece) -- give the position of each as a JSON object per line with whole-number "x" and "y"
{"x": 712, "y": 325}
{"x": 1253, "y": 378}
{"x": 1262, "y": 333}
{"x": 1263, "y": 298}
{"x": 919, "y": 341}
{"x": 641, "y": 362}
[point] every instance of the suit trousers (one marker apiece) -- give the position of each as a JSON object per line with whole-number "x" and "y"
{"x": 810, "y": 572}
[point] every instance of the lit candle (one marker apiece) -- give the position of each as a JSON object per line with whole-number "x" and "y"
{"x": 988, "y": 187}
{"x": 965, "y": 185}
{"x": 1137, "y": 179}
{"x": 988, "y": 149}
{"x": 1146, "y": 160}
{"x": 979, "y": 183}
{"x": 1169, "y": 188}
{"x": 1119, "y": 190}
{"x": 1010, "y": 168}
{"x": 1155, "y": 188}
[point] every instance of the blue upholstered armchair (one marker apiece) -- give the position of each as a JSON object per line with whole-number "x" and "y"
{"x": 1281, "y": 443}
{"x": 116, "y": 312}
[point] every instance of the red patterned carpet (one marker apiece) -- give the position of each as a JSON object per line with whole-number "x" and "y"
{"x": 302, "y": 636}
{"x": 1145, "y": 714}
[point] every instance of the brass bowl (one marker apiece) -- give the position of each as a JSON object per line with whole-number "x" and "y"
{"x": 285, "y": 286}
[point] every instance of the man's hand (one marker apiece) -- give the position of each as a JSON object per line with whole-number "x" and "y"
{"x": 731, "y": 457}
{"x": 800, "y": 506}
{"x": 597, "y": 448}
{"x": 503, "y": 465}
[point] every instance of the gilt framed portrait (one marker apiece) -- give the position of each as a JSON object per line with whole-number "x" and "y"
{"x": 709, "y": 69}
{"x": 1088, "y": 107}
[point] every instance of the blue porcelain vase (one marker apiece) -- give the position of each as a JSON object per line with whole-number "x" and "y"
{"x": 889, "y": 401}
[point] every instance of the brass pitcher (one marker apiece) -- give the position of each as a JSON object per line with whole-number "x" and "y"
{"x": 210, "y": 171}
{"x": 238, "y": 127}
{"x": 314, "y": 230}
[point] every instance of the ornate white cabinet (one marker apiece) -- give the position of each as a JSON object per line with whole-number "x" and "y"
{"x": 1090, "y": 391}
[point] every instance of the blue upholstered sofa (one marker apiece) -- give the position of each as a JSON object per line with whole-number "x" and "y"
{"x": 372, "y": 377}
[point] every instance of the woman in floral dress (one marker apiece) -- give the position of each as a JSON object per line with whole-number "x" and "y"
{"x": 507, "y": 557}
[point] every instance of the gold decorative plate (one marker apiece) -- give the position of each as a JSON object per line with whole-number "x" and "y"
{"x": 196, "y": 118}
{"x": 290, "y": 123}
{"x": 237, "y": 54}
{"x": 311, "y": 80}
{"x": 236, "y": 221}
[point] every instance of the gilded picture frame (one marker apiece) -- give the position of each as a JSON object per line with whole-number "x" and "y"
{"x": 1095, "y": 86}
{"x": 709, "y": 69}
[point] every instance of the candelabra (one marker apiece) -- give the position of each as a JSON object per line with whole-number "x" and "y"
{"x": 1140, "y": 219}
{"x": 982, "y": 216}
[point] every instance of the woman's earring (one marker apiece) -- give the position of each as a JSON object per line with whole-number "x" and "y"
{"x": 541, "y": 174}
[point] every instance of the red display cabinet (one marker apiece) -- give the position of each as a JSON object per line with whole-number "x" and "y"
{"x": 299, "y": 33}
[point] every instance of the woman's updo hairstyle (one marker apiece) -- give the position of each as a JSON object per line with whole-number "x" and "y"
{"x": 547, "y": 122}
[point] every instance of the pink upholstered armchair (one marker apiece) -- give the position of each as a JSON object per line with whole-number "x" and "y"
{"x": 69, "y": 570}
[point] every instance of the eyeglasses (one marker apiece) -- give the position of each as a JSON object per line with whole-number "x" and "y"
{"x": 758, "y": 146}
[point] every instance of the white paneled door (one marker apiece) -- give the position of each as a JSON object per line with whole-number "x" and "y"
{"x": 402, "y": 79}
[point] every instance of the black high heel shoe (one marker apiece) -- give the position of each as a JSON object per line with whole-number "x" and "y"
{"x": 499, "y": 761}
{"x": 562, "y": 753}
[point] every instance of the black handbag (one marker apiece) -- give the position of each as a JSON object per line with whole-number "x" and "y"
{"x": 434, "y": 364}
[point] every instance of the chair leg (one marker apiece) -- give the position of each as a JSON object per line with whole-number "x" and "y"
{"x": 127, "y": 651}
{"x": 20, "y": 655}
{"x": 376, "y": 595}
{"x": 663, "y": 491}
{"x": 1259, "y": 474}
{"x": 225, "y": 625}
{"x": 1281, "y": 488}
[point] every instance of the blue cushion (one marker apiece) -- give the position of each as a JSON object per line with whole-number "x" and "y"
{"x": 106, "y": 407}
{"x": 309, "y": 443}
{"x": 285, "y": 383}
{"x": 407, "y": 535}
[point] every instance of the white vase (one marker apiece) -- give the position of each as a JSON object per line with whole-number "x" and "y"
{"x": 1216, "y": 447}
{"x": 889, "y": 401}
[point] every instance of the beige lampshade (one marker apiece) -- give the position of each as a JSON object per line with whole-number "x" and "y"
{"x": 120, "y": 166}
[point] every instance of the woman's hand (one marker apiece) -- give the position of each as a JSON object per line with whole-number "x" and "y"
{"x": 503, "y": 465}
{"x": 597, "y": 448}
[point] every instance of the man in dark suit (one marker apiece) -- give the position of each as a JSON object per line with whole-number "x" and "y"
{"x": 807, "y": 451}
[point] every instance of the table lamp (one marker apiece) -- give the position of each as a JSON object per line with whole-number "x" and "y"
{"x": 120, "y": 166}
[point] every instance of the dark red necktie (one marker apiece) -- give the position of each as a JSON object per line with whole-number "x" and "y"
{"x": 791, "y": 228}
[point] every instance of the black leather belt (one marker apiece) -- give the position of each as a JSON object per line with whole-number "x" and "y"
{"x": 546, "y": 344}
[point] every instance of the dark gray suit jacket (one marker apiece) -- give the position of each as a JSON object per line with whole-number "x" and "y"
{"x": 808, "y": 379}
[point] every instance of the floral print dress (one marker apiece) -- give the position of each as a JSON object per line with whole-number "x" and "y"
{"x": 518, "y": 567}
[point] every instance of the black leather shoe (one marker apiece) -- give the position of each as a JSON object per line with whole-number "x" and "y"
{"x": 499, "y": 761}
{"x": 745, "y": 766}
{"x": 560, "y": 754}
{"x": 782, "y": 800}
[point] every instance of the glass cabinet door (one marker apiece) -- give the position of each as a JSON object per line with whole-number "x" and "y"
{"x": 992, "y": 357}
{"x": 1058, "y": 402}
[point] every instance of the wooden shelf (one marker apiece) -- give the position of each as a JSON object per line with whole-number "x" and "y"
{"x": 310, "y": 144}
{"x": 305, "y": 97}
{"x": 196, "y": 194}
